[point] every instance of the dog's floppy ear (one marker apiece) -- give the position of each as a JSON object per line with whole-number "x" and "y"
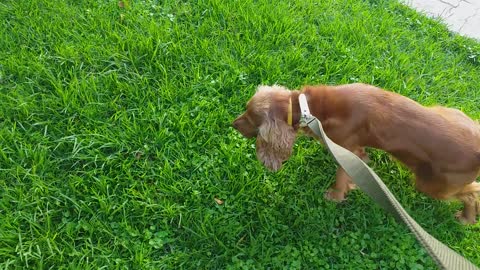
{"x": 274, "y": 142}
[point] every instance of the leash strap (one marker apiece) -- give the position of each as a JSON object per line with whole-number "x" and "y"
{"x": 370, "y": 183}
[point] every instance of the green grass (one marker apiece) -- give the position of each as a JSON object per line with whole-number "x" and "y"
{"x": 115, "y": 134}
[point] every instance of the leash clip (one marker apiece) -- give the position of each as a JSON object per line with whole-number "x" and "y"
{"x": 305, "y": 116}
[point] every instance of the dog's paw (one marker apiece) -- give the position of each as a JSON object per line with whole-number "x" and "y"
{"x": 334, "y": 195}
{"x": 464, "y": 220}
{"x": 352, "y": 186}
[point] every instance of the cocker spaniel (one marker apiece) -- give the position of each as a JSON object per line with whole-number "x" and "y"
{"x": 441, "y": 146}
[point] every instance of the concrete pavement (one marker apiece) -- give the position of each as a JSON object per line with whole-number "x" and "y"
{"x": 461, "y": 16}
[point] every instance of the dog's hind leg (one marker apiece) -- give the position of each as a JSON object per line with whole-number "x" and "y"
{"x": 438, "y": 186}
{"x": 471, "y": 206}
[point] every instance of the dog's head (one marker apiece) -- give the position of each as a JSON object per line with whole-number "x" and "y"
{"x": 266, "y": 118}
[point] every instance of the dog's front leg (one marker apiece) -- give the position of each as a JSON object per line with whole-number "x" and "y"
{"x": 339, "y": 189}
{"x": 343, "y": 183}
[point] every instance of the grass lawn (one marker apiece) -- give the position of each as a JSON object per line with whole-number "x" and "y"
{"x": 115, "y": 137}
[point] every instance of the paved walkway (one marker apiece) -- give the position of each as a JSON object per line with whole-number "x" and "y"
{"x": 462, "y": 16}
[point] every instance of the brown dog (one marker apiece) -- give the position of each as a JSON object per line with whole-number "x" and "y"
{"x": 440, "y": 145}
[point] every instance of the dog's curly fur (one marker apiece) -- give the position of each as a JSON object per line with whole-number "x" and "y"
{"x": 441, "y": 146}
